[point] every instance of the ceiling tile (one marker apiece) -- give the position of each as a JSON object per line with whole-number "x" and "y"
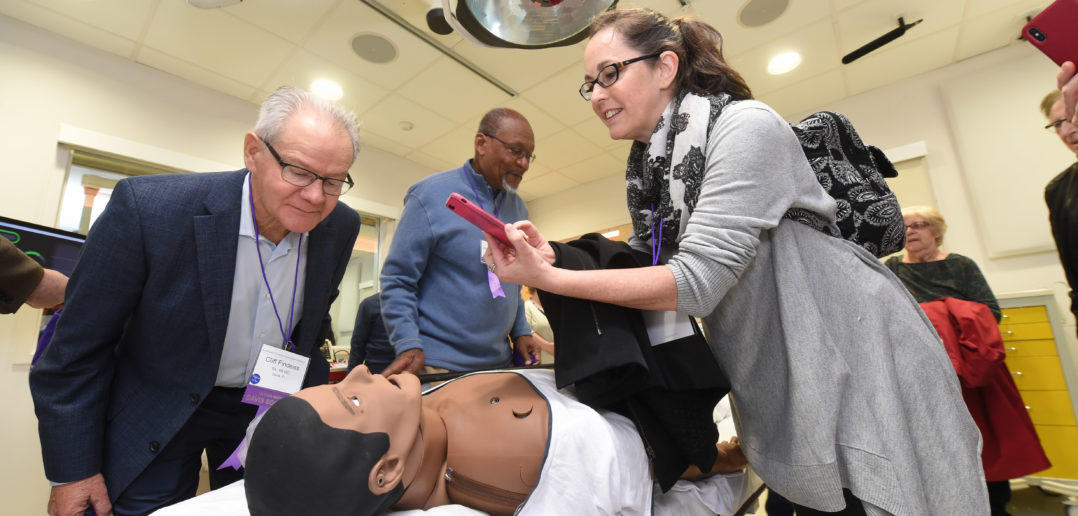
{"x": 333, "y": 42}
{"x": 815, "y": 43}
{"x": 519, "y": 68}
{"x": 542, "y": 186}
{"x": 216, "y": 42}
{"x": 437, "y": 164}
{"x": 1018, "y": 8}
{"x": 372, "y": 139}
{"x": 870, "y": 20}
{"x": 537, "y": 169}
{"x": 71, "y": 28}
{"x": 291, "y": 20}
{"x": 594, "y": 131}
{"x": 124, "y": 18}
{"x": 558, "y": 96}
{"x": 454, "y": 146}
{"x": 991, "y": 31}
{"x": 808, "y": 95}
{"x": 591, "y": 169}
{"x": 385, "y": 118}
{"x": 543, "y": 125}
{"x": 566, "y": 148}
{"x": 738, "y": 38}
{"x": 303, "y": 68}
{"x": 453, "y": 91}
{"x": 199, "y": 75}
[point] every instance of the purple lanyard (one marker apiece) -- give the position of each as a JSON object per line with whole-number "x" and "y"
{"x": 656, "y": 244}
{"x": 295, "y": 281}
{"x": 478, "y": 199}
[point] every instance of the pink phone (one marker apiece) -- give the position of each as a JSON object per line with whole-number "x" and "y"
{"x": 1055, "y": 31}
{"x": 477, "y": 216}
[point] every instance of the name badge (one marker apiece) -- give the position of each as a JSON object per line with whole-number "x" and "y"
{"x": 667, "y": 326}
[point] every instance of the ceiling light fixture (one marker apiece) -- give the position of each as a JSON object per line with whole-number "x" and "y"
{"x": 880, "y": 41}
{"x": 428, "y": 39}
{"x": 783, "y": 63}
{"x": 327, "y": 89}
{"x": 533, "y": 24}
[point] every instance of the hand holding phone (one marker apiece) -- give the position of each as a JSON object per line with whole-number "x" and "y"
{"x": 1055, "y": 32}
{"x": 478, "y": 216}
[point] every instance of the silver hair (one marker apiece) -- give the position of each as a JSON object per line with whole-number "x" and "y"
{"x": 288, "y": 100}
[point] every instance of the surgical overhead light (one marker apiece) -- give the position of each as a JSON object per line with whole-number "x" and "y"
{"x": 519, "y": 23}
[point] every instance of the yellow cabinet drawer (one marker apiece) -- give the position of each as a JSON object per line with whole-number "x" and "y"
{"x": 1024, "y": 314}
{"x": 1037, "y": 373}
{"x": 1026, "y": 331}
{"x": 1049, "y": 408}
{"x": 1059, "y": 444}
{"x": 1031, "y": 348}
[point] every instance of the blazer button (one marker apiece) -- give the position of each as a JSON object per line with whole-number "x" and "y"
{"x": 154, "y": 446}
{"x": 194, "y": 398}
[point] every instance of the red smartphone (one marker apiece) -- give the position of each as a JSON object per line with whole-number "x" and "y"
{"x": 477, "y": 216}
{"x": 1055, "y": 31}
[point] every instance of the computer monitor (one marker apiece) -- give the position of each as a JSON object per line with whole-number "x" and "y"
{"x": 52, "y": 248}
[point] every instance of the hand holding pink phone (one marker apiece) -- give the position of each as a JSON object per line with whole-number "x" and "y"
{"x": 478, "y": 216}
{"x": 1054, "y": 31}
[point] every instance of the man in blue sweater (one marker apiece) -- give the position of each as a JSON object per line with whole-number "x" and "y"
{"x": 443, "y": 309}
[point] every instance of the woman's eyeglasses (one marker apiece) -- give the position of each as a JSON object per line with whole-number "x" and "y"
{"x": 608, "y": 75}
{"x": 920, "y": 224}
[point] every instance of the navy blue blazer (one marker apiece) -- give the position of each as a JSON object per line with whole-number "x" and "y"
{"x": 140, "y": 339}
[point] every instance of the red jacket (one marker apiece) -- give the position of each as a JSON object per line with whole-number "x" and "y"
{"x": 971, "y": 336}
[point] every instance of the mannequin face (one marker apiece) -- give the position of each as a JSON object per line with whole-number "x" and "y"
{"x": 370, "y": 403}
{"x": 632, "y": 106}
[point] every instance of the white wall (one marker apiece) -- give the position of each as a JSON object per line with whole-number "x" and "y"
{"x": 49, "y": 81}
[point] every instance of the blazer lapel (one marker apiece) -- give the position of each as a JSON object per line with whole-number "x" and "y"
{"x": 216, "y": 238}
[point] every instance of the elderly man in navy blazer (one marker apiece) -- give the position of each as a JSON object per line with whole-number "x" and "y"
{"x": 174, "y": 297}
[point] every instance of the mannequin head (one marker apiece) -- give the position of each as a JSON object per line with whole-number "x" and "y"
{"x": 334, "y": 449}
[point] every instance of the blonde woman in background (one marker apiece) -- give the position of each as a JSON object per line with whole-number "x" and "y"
{"x": 533, "y": 311}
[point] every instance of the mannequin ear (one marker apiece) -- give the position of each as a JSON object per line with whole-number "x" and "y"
{"x": 385, "y": 474}
{"x": 668, "y": 67}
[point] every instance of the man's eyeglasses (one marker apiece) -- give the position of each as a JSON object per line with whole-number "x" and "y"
{"x": 517, "y": 153}
{"x": 1056, "y": 124}
{"x": 920, "y": 224}
{"x": 299, "y": 176}
{"x": 608, "y": 75}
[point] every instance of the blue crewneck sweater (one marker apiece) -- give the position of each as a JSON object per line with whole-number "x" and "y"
{"x": 435, "y": 294}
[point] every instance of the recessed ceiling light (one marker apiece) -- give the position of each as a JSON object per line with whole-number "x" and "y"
{"x": 327, "y": 89}
{"x": 783, "y": 63}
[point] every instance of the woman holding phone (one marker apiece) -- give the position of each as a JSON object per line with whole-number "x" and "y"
{"x": 831, "y": 362}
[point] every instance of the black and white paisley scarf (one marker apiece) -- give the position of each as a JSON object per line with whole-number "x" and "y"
{"x": 663, "y": 176}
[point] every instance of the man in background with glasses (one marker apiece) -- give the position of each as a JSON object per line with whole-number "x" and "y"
{"x": 443, "y": 309}
{"x": 1061, "y": 194}
{"x": 185, "y": 283}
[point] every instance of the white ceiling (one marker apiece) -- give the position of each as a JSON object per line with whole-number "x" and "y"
{"x": 248, "y": 50}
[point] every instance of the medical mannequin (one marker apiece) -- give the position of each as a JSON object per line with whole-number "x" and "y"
{"x": 478, "y": 441}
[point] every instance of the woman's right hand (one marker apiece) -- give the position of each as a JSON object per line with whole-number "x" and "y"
{"x": 536, "y": 240}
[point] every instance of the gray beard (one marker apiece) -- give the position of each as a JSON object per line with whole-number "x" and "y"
{"x": 508, "y": 189}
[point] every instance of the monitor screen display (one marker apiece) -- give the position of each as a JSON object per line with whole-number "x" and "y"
{"x": 52, "y": 248}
